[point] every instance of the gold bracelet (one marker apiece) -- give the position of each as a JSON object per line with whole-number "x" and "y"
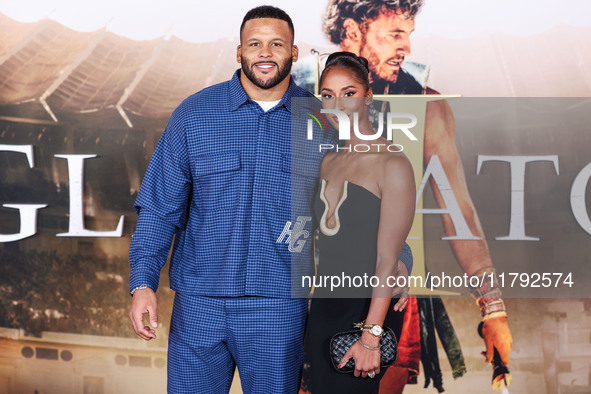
{"x": 365, "y": 345}
{"x": 359, "y": 325}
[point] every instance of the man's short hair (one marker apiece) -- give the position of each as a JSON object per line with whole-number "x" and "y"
{"x": 267, "y": 11}
{"x": 362, "y": 11}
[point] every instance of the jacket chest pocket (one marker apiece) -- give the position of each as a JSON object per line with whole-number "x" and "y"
{"x": 217, "y": 179}
{"x": 210, "y": 164}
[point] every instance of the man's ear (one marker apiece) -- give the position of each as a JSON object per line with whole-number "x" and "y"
{"x": 295, "y": 52}
{"x": 352, "y": 31}
{"x": 239, "y": 54}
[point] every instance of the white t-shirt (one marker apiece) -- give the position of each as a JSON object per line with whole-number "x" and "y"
{"x": 267, "y": 105}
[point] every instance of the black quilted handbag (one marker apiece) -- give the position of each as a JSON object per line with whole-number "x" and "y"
{"x": 341, "y": 342}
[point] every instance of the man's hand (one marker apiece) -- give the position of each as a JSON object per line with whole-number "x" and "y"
{"x": 144, "y": 301}
{"x": 497, "y": 335}
{"x": 403, "y": 291}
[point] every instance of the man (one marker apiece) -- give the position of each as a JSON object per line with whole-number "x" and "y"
{"x": 379, "y": 30}
{"x": 220, "y": 182}
{"x": 209, "y": 184}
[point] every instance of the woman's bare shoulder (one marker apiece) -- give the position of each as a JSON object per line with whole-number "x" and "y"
{"x": 396, "y": 169}
{"x": 393, "y": 160}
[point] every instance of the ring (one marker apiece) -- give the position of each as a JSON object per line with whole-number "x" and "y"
{"x": 372, "y": 374}
{"x": 404, "y": 292}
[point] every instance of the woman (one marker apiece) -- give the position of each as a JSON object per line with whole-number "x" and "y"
{"x": 365, "y": 205}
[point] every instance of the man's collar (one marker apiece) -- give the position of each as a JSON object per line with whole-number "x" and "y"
{"x": 289, "y": 94}
{"x": 238, "y": 95}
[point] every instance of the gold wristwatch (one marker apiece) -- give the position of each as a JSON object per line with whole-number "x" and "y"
{"x": 374, "y": 329}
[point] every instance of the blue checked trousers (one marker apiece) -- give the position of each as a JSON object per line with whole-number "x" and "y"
{"x": 210, "y": 336}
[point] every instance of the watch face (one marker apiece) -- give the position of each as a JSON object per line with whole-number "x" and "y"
{"x": 376, "y": 330}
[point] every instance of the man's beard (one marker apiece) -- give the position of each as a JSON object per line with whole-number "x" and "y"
{"x": 282, "y": 72}
{"x": 374, "y": 63}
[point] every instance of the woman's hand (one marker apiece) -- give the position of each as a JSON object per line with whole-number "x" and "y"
{"x": 366, "y": 361}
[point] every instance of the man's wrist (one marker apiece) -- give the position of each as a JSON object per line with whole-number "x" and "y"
{"x": 488, "y": 295}
{"x": 494, "y": 314}
{"x": 140, "y": 287}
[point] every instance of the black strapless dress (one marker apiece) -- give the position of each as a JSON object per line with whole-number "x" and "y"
{"x": 349, "y": 249}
